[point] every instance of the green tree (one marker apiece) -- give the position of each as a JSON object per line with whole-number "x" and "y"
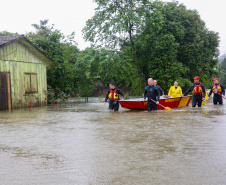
{"x": 222, "y": 72}
{"x": 160, "y": 40}
{"x": 105, "y": 66}
{"x": 116, "y": 21}
{"x": 116, "y": 25}
{"x": 61, "y": 49}
{"x": 6, "y": 33}
{"x": 198, "y": 46}
{"x": 85, "y": 72}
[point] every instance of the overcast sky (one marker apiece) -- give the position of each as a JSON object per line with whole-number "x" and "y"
{"x": 71, "y": 15}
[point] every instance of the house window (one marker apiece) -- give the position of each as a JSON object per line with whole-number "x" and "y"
{"x": 31, "y": 84}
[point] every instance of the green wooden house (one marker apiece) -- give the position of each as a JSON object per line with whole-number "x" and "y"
{"x": 23, "y": 78}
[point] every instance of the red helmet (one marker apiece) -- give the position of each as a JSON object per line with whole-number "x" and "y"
{"x": 196, "y": 78}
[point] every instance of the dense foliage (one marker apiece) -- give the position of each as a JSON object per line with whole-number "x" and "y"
{"x": 6, "y": 33}
{"x": 62, "y": 50}
{"x": 222, "y": 72}
{"x": 164, "y": 41}
{"x": 132, "y": 41}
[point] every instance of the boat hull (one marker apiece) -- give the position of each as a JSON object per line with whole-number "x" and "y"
{"x": 176, "y": 102}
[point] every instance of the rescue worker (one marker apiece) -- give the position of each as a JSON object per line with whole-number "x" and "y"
{"x": 160, "y": 89}
{"x": 198, "y": 90}
{"x": 175, "y": 91}
{"x": 152, "y": 93}
{"x": 218, "y": 90}
{"x": 113, "y": 95}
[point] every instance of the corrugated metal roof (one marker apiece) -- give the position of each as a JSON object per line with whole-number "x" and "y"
{"x": 5, "y": 40}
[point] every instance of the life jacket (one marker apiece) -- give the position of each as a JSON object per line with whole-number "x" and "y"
{"x": 197, "y": 89}
{"x": 113, "y": 95}
{"x": 217, "y": 89}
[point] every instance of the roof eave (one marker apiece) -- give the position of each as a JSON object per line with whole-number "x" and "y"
{"x": 24, "y": 38}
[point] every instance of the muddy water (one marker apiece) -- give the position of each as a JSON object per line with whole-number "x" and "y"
{"x": 85, "y": 144}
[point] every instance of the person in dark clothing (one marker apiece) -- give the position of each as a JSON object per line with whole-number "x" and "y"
{"x": 198, "y": 90}
{"x": 218, "y": 90}
{"x": 113, "y": 95}
{"x": 152, "y": 93}
{"x": 160, "y": 89}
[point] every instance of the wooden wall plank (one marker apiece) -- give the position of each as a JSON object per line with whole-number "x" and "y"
{"x": 19, "y": 52}
{"x": 9, "y": 92}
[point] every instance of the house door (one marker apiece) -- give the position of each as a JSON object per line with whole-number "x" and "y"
{"x": 5, "y": 91}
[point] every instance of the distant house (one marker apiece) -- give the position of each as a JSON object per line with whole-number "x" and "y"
{"x": 23, "y": 79}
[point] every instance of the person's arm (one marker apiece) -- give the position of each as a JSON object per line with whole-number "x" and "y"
{"x": 158, "y": 94}
{"x": 121, "y": 93}
{"x": 161, "y": 90}
{"x": 210, "y": 92}
{"x": 145, "y": 93}
{"x": 189, "y": 90}
{"x": 106, "y": 98}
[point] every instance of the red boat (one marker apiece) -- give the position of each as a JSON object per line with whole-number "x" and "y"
{"x": 176, "y": 102}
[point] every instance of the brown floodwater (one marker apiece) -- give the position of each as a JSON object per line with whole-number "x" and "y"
{"x": 86, "y": 144}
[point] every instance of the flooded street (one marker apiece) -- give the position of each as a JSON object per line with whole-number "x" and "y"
{"x": 85, "y": 144}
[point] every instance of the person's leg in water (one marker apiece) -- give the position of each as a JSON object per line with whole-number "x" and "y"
{"x": 194, "y": 101}
{"x": 220, "y": 100}
{"x": 199, "y": 101}
{"x": 215, "y": 100}
{"x": 116, "y": 105}
{"x": 111, "y": 106}
{"x": 149, "y": 106}
{"x": 154, "y": 107}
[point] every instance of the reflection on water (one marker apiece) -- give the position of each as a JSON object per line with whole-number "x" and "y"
{"x": 85, "y": 144}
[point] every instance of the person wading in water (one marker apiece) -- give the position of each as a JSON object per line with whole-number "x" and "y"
{"x": 113, "y": 95}
{"x": 198, "y": 90}
{"x": 218, "y": 90}
{"x": 152, "y": 93}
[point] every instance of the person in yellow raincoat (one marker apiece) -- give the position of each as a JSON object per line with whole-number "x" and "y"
{"x": 175, "y": 91}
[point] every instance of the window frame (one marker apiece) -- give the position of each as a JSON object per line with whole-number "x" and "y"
{"x": 30, "y": 92}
